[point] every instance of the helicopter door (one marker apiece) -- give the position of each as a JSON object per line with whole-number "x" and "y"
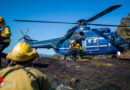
{"x": 92, "y": 44}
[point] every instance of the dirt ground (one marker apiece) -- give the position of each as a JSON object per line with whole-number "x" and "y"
{"x": 85, "y": 74}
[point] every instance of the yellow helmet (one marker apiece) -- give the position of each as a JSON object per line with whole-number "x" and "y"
{"x": 72, "y": 41}
{"x": 78, "y": 44}
{"x": 22, "y": 52}
{"x": 2, "y": 21}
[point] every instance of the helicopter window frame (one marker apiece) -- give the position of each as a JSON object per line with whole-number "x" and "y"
{"x": 92, "y": 41}
{"x": 93, "y": 46}
{"x": 89, "y": 40}
{"x": 102, "y": 41}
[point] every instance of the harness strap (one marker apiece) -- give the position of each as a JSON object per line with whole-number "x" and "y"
{"x": 12, "y": 70}
{"x": 3, "y": 27}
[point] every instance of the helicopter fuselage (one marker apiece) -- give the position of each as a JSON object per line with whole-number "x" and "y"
{"x": 93, "y": 41}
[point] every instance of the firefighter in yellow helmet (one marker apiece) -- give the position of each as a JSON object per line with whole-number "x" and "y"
{"x": 4, "y": 37}
{"x": 73, "y": 50}
{"x": 22, "y": 76}
{"x": 79, "y": 50}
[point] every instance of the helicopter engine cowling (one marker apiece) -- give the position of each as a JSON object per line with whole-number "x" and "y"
{"x": 81, "y": 33}
{"x": 105, "y": 30}
{"x": 77, "y": 34}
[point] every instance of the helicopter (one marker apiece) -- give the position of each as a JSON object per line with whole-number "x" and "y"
{"x": 99, "y": 41}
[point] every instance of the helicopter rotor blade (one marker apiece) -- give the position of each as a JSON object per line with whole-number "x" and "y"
{"x": 27, "y": 31}
{"x": 20, "y": 38}
{"x": 106, "y": 11}
{"x": 106, "y": 25}
{"x": 46, "y": 21}
{"x": 22, "y": 32}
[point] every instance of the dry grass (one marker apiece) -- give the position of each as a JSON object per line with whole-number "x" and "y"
{"x": 125, "y": 55}
{"x": 101, "y": 64}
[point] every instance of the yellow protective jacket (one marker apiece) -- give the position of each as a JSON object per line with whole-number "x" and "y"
{"x": 78, "y": 47}
{"x": 5, "y": 34}
{"x": 72, "y": 46}
{"x": 21, "y": 80}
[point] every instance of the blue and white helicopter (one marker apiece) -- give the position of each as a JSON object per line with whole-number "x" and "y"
{"x": 93, "y": 41}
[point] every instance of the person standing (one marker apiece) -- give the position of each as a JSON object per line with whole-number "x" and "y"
{"x": 4, "y": 37}
{"x": 73, "y": 50}
{"x": 79, "y": 50}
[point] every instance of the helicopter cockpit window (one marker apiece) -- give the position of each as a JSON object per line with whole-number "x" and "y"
{"x": 110, "y": 37}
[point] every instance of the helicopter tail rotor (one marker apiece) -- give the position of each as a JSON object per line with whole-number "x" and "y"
{"x": 21, "y": 38}
{"x": 24, "y": 35}
{"x": 27, "y": 31}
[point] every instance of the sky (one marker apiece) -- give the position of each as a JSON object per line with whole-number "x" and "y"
{"x": 56, "y": 10}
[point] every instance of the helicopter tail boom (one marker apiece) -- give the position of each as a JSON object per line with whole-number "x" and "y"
{"x": 41, "y": 44}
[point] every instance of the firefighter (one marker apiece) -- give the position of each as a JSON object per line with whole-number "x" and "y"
{"x": 79, "y": 50}
{"x": 73, "y": 50}
{"x": 22, "y": 76}
{"x": 4, "y": 37}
